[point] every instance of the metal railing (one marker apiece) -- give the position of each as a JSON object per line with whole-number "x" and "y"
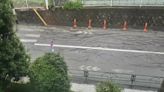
{"x": 28, "y": 3}
{"x": 108, "y": 3}
{"x": 123, "y": 3}
{"x": 130, "y": 80}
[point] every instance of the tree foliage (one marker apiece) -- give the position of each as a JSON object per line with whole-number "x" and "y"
{"x": 73, "y": 5}
{"x": 13, "y": 58}
{"x": 49, "y": 74}
{"x": 107, "y": 87}
{"x": 15, "y": 87}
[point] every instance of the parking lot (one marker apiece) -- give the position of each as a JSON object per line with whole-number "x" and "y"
{"x": 98, "y": 50}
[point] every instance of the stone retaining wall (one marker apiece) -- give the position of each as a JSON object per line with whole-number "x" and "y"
{"x": 136, "y": 18}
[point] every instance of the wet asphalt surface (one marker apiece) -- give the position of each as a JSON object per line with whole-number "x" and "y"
{"x": 105, "y": 61}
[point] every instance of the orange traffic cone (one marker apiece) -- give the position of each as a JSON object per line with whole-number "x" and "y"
{"x": 125, "y": 27}
{"x": 105, "y": 24}
{"x": 145, "y": 27}
{"x": 89, "y": 24}
{"x": 74, "y": 23}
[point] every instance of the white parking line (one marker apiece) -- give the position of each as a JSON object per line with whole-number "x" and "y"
{"x": 32, "y": 35}
{"x": 28, "y": 40}
{"x": 122, "y": 71}
{"x": 100, "y": 48}
{"x": 30, "y": 30}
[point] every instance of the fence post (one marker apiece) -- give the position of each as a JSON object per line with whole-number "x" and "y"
{"x": 86, "y": 74}
{"x": 46, "y": 1}
{"x": 52, "y": 46}
{"x": 133, "y": 79}
{"x": 111, "y": 2}
{"x": 140, "y": 3}
{"x": 27, "y": 3}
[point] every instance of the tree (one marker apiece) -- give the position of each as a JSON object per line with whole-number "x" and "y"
{"x": 107, "y": 87}
{"x": 13, "y": 58}
{"x": 49, "y": 74}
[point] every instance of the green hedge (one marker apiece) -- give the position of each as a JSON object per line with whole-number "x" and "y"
{"x": 73, "y": 5}
{"x": 49, "y": 74}
{"x": 15, "y": 87}
{"x": 107, "y": 86}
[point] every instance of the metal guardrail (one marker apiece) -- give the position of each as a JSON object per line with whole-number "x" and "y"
{"x": 132, "y": 80}
{"x": 111, "y": 3}
{"x": 28, "y": 3}
{"x": 107, "y": 3}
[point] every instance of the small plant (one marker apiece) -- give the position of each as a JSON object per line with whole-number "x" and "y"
{"x": 17, "y": 87}
{"x": 49, "y": 74}
{"x": 107, "y": 86}
{"x": 73, "y": 5}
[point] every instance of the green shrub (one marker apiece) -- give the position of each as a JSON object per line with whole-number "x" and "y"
{"x": 1, "y": 90}
{"x": 73, "y": 5}
{"x": 15, "y": 87}
{"x": 49, "y": 74}
{"x": 107, "y": 86}
{"x": 14, "y": 61}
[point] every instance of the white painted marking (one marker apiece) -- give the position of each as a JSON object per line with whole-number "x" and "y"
{"x": 90, "y": 32}
{"x": 82, "y": 67}
{"x": 28, "y": 40}
{"x": 83, "y": 87}
{"x": 25, "y": 29}
{"x": 88, "y": 68}
{"x": 100, "y": 48}
{"x": 32, "y": 35}
{"x": 122, "y": 71}
{"x": 96, "y": 68}
{"x": 85, "y": 32}
{"x": 92, "y": 88}
{"x": 79, "y": 32}
{"x": 30, "y": 30}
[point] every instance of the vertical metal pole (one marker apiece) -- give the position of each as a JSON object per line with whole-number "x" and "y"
{"x": 133, "y": 78}
{"x": 52, "y": 46}
{"x": 82, "y": 1}
{"x": 119, "y": 2}
{"x": 140, "y": 3}
{"x": 46, "y": 1}
{"x": 111, "y": 2}
{"x": 27, "y": 3}
{"x": 15, "y": 24}
{"x": 86, "y": 74}
{"x": 14, "y": 13}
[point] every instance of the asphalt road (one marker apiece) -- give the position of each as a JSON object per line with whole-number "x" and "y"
{"x": 112, "y": 50}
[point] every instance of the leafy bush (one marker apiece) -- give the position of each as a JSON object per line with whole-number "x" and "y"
{"x": 1, "y": 90}
{"x": 15, "y": 87}
{"x": 49, "y": 74}
{"x": 107, "y": 87}
{"x": 51, "y": 4}
{"x": 73, "y": 5}
{"x": 14, "y": 61}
